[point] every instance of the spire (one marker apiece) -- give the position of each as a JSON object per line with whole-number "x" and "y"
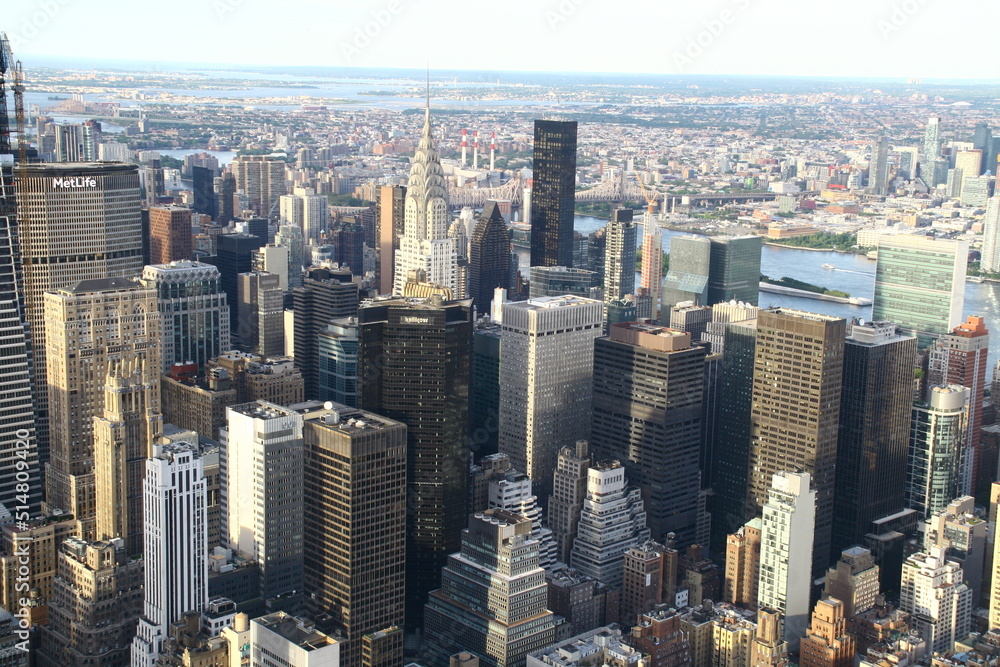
{"x": 427, "y": 109}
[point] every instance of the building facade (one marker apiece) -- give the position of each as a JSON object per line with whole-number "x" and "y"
{"x": 553, "y": 193}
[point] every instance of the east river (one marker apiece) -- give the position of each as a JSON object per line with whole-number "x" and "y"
{"x": 854, "y": 274}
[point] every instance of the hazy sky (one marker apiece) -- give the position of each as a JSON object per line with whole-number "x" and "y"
{"x": 895, "y": 38}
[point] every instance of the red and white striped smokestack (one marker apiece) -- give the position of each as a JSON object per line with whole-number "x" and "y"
{"x": 475, "y": 151}
{"x": 465, "y": 144}
{"x": 493, "y": 147}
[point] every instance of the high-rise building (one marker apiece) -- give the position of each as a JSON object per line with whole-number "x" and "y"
{"x": 990, "y": 256}
{"x": 769, "y": 649}
{"x": 643, "y": 580}
{"x": 920, "y": 285}
{"x": 176, "y": 572}
{"x": 786, "y": 551}
{"x": 355, "y": 526}
{"x": 511, "y": 491}
{"x": 325, "y": 294}
{"x": 91, "y": 324}
{"x": 872, "y": 438}
{"x": 413, "y": 360}
{"x": 735, "y": 269}
{"x": 560, "y": 280}
{"x": 203, "y": 187}
{"x": 937, "y": 444}
{"x": 194, "y": 314}
{"x": 391, "y": 217}
{"x": 18, "y": 432}
{"x": 152, "y": 175}
{"x": 225, "y": 191}
{"x": 976, "y": 190}
{"x": 282, "y": 639}
{"x": 262, "y": 179}
{"x": 795, "y": 414}
{"x": 961, "y": 358}
{"x": 647, "y": 412}
{"x": 123, "y": 439}
{"x": 489, "y": 257}
{"x": 690, "y": 266}
{"x": 426, "y": 252}
{"x": 306, "y": 210}
{"x": 878, "y": 166}
{"x": 274, "y": 258}
{"x": 553, "y": 193}
{"x": 546, "y": 371}
{"x": 652, "y": 261}
{"x": 931, "y": 149}
{"x": 730, "y": 471}
{"x": 854, "y": 580}
{"x": 743, "y": 565}
{"x": 54, "y": 203}
{"x": 347, "y": 246}
{"x": 960, "y": 529}
{"x": 86, "y": 629}
{"x": 938, "y": 601}
{"x": 827, "y": 643}
{"x": 493, "y": 596}
{"x": 611, "y": 521}
{"x": 993, "y": 571}
{"x": 77, "y": 143}
{"x": 261, "y": 314}
{"x": 619, "y": 256}
{"x": 660, "y": 634}
{"x": 970, "y": 162}
{"x": 233, "y": 257}
{"x": 290, "y": 237}
{"x": 689, "y": 318}
{"x": 170, "y": 235}
{"x": 484, "y": 388}
{"x": 262, "y": 494}
{"x": 338, "y": 361}
{"x": 569, "y": 489}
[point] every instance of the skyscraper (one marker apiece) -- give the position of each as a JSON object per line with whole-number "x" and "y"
{"x": 174, "y": 504}
{"x": 489, "y": 257}
{"x": 827, "y": 643}
{"x": 325, "y": 294}
{"x": 391, "y": 216}
{"x": 203, "y": 187}
{"x": 961, "y": 358}
{"x": 937, "y": 445}
{"x": 619, "y": 256}
{"x": 920, "y": 285}
{"x": 493, "y": 597}
{"x": 194, "y": 313}
{"x": 569, "y": 488}
{"x": 338, "y": 361}
{"x": 261, "y": 313}
{"x": 123, "y": 439}
{"x": 652, "y": 261}
{"x": 854, "y": 580}
{"x": 559, "y": 280}
{"x": 546, "y": 371}
{"x": 647, "y": 412}
{"x": 768, "y": 648}
{"x": 306, "y": 210}
{"x": 931, "y": 149}
{"x": 687, "y": 277}
{"x": 878, "y": 166}
{"x": 611, "y": 521}
{"x": 262, "y": 179}
{"x": 262, "y": 494}
{"x": 872, "y": 439}
{"x": 225, "y": 190}
{"x": 553, "y": 193}
{"x": 990, "y": 257}
{"x": 54, "y": 203}
{"x": 795, "y": 413}
{"x": 414, "y": 365}
{"x": 735, "y": 269}
{"x": 426, "y": 253}
{"x": 233, "y": 257}
{"x": 355, "y": 525}
{"x": 743, "y": 565}
{"x": 89, "y": 325}
{"x": 786, "y": 548}
{"x": 170, "y": 235}
{"x": 939, "y": 603}
{"x": 511, "y": 491}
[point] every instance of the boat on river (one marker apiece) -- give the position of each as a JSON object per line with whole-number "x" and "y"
{"x": 829, "y": 267}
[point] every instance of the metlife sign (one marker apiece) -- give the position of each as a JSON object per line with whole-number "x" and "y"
{"x": 74, "y": 182}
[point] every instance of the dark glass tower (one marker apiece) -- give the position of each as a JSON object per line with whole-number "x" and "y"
{"x": 489, "y": 257}
{"x": 647, "y": 412}
{"x": 224, "y": 199}
{"x": 484, "y": 399}
{"x": 325, "y": 294}
{"x": 553, "y": 193}
{"x": 348, "y": 241}
{"x": 732, "y": 432}
{"x": 203, "y": 185}
{"x": 414, "y": 367}
{"x": 735, "y": 269}
{"x": 233, "y": 257}
{"x": 874, "y": 430}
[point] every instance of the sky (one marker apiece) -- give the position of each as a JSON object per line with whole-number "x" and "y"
{"x": 931, "y": 39}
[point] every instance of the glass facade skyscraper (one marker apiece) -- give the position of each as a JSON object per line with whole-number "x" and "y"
{"x": 553, "y": 193}
{"x": 735, "y": 269}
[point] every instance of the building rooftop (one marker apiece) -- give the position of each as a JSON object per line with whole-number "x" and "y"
{"x": 296, "y": 630}
{"x": 546, "y": 302}
{"x": 343, "y": 419}
{"x": 261, "y": 410}
{"x": 100, "y": 285}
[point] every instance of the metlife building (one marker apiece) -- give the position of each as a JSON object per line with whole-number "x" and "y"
{"x": 76, "y": 221}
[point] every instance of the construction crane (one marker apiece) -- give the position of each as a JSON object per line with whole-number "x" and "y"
{"x": 6, "y": 62}
{"x": 648, "y": 194}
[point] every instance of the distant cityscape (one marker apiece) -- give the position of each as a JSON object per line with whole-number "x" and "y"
{"x": 380, "y": 368}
